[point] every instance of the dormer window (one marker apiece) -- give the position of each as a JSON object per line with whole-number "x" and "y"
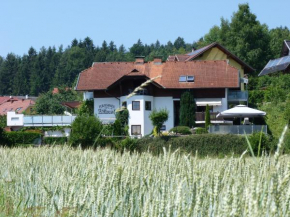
{"x": 182, "y": 78}
{"x": 186, "y": 78}
{"x": 190, "y": 78}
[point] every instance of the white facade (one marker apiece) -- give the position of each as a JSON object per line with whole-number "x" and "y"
{"x": 104, "y": 108}
{"x": 14, "y": 119}
{"x": 88, "y": 95}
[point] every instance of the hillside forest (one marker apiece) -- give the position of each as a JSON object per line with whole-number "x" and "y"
{"x": 39, "y": 71}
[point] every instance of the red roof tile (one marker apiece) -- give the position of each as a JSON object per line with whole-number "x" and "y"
{"x": 208, "y": 74}
{"x": 16, "y": 105}
{"x": 4, "y": 99}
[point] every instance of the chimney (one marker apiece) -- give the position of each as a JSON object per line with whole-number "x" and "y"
{"x": 26, "y": 96}
{"x": 139, "y": 60}
{"x": 157, "y": 60}
{"x": 193, "y": 49}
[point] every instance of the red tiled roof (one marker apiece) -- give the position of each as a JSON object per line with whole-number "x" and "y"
{"x": 196, "y": 53}
{"x": 4, "y": 99}
{"x": 208, "y": 74}
{"x": 14, "y": 104}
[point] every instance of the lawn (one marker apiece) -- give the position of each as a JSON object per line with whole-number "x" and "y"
{"x": 60, "y": 181}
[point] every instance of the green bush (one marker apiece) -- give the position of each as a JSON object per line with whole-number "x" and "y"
{"x": 266, "y": 142}
{"x": 183, "y": 130}
{"x": 187, "y": 109}
{"x": 18, "y": 137}
{"x": 205, "y": 144}
{"x": 54, "y": 140}
{"x": 128, "y": 144}
{"x": 200, "y": 130}
{"x": 85, "y": 130}
{"x": 158, "y": 118}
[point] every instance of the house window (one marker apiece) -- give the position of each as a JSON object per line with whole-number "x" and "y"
{"x": 124, "y": 104}
{"x": 136, "y": 130}
{"x": 14, "y": 119}
{"x": 190, "y": 78}
{"x": 136, "y": 105}
{"x": 148, "y": 105}
{"x": 182, "y": 78}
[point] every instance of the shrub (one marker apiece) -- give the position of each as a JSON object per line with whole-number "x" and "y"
{"x": 87, "y": 107}
{"x": 207, "y": 117}
{"x": 123, "y": 116}
{"x": 55, "y": 140}
{"x": 158, "y": 118}
{"x": 183, "y": 130}
{"x": 266, "y": 142}
{"x": 18, "y": 137}
{"x": 85, "y": 130}
{"x": 128, "y": 144}
{"x": 200, "y": 130}
{"x": 205, "y": 144}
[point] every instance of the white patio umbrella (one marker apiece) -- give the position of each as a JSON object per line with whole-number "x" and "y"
{"x": 241, "y": 111}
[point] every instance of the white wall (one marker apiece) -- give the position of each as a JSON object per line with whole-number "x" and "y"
{"x": 166, "y": 102}
{"x": 88, "y": 95}
{"x": 140, "y": 117}
{"x": 104, "y": 108}
{"x": 14, "y": 119}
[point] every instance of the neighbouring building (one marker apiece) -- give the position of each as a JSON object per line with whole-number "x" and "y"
{"x": 16, "y": 104}
{"x": 281, "y": 64}
{"x": 212, "y": 74}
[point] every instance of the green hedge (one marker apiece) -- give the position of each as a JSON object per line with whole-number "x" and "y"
{"x": 54, "y": 140}
{"x": 205, "y": 144}
{"x": 183, "y": 130}
{"x": 200, "y": 130}
{"x": 17, "y": 137}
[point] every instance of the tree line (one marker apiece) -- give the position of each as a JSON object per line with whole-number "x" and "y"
{"x": 37, "y": 72}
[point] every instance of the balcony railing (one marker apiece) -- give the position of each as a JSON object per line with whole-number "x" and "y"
{"x": 237, "y": 129}
{"x": 237, "y": 95}
{"x": 45, "y": 120}
{"x": 200, "y": 116}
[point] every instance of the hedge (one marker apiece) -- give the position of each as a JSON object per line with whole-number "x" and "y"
{"x": 183, "y": 130}
{"x": 54, "y": 140}
{"x": 204, "y": 144}
{"x": 17, "y": 137}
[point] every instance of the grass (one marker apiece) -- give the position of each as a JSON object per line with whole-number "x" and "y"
{"x": 60, "y": 181}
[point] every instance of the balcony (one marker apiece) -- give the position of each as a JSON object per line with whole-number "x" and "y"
{"x": 45, "y": 120}
{"x": 236, "y": 96}
{"x": 237, "y": 129}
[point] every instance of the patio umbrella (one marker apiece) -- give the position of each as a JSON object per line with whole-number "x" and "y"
{"x": 241, "y": 111}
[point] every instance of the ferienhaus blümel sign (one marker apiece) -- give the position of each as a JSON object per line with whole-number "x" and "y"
{"x": 106, "y": 109}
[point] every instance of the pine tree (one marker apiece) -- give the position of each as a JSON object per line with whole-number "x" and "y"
{"x": 187, "y": 109}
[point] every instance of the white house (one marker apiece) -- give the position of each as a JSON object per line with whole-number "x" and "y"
{"x": 213, "y": 82}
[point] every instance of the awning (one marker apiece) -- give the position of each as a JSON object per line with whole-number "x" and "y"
{"x": 209, "y": 102}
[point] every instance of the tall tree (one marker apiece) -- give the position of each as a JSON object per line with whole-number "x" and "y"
{"x": 179, "y": 43}
{"x": 278, "y": 35}
{"x": 187, "y": 109}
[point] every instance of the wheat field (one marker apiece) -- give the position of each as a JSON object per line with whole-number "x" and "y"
{"x": 60, "y": 181}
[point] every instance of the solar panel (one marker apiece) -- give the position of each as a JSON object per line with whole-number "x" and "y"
{"x": 276, "y": 65}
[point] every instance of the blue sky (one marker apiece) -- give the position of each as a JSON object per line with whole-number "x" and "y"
{"x": 40, "y": 23}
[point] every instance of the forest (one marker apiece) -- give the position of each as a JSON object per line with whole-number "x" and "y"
{"x": 39, "y": 71}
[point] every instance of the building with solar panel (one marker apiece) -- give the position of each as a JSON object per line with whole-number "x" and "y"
{"x": 281, "y": 64}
